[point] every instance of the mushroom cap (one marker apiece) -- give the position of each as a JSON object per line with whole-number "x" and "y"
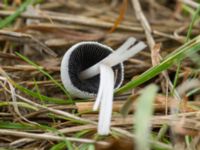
{"x": 80, "y": 57}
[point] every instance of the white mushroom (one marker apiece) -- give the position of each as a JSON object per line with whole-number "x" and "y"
{"x": 80, "y": 69}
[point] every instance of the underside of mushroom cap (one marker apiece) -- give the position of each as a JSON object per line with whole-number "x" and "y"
{"x": 80, "y": 57}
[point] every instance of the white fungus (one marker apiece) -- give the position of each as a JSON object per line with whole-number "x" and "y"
{"x": 80, "y": 69}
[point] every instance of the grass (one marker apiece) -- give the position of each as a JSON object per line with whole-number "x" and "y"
{"x": 11, "y": 18}
{"x": 13, "y": 125}
{"x": 25, "y": 126}
{"x": 193, "y": 57}
{"x": 41, "y": 97}
{"x": 162, "y": 132}
{"x": 194, "y": 18}
{"x": 147, "y": 134}
{"x": 20, "y": 104}
{"x": 60, "y": 145}
{"x": 142, "y": 117}
{"x": 69, "y": 145}
{"x": 189, "y": 48}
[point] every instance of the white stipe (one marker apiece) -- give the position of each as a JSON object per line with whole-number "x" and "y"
{"x": 120, "y": 50}
{"x": 122, "y": 54}
{"x": 102, "y": 85}
{"x": 125, "y": 45}
{"x": 105, "y": 99}
{"x": 117, "y": 58}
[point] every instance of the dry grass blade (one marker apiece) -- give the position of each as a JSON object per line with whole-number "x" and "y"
{"x": 46, "y": 137}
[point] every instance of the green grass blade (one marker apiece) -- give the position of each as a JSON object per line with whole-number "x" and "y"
{"x": 142, "y": 117}
{"x": 11, "y": 18}
{"x": 194, "y": 57}
{"x": 38, "y": 91}
{"x": 194, "y": 18}
{"x": 87, "y": 147}
{"x": 20, "y": 104}
{"x": 91, "y": 147}
{"x": 187, "y": 10}
{"x": 82, "y": 133}
{"x": 188, "y": 142}
{"x": 12, "y": 125}
{"x": 42, "y": 97}
{"x": 162, "y": 132}
{"x": 62, "y": 145}
{"x": 127, "y": 106}
{"x": 193, "y": 91}
{"x": 181, "y": 53}
{"x": 59, "y": 146}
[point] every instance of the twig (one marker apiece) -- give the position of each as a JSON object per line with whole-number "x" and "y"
{"x": 63, "y": 131}
{"x": 47, "y": 137}
{"x": 28, "y": 68}
{"x": 147, "y": 29}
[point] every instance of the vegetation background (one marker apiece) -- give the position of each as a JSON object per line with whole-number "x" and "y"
{"x": 158, "y": 106}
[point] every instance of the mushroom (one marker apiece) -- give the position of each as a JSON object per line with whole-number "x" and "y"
{"x": 80, "y": 57}
{"x": 91, "y": 69}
